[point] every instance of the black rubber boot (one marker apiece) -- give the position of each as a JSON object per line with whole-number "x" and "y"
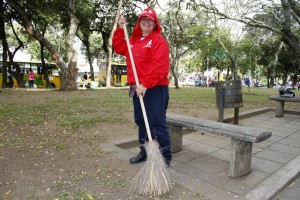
{"x": 141, "y": 157}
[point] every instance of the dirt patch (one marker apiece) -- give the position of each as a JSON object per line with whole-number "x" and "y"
{"x": 47, "y": 161}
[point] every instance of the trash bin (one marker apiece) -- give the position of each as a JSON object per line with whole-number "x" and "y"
{"x": 229, "y": 95}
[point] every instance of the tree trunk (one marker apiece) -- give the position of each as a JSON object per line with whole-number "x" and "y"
{"x": 272, "y": 77}
{"x": 16, "y": 73}
{"x": 19, "y": 77}
{"x": 108, "y": 74}
{"x": 70, "y": 74}
{"x": 85, "y": 40}
{"x": 174, "y": 68}
{"x": 105, "y": 45}
{"x": 45, "y": 67}
{"x": 4, "y": 45}
{"x": 88, "y": 53}
{"x": 235, "y": 76}
{"x": 273, "y": 69}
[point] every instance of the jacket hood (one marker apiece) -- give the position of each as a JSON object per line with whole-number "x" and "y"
{"x": 148, "y": 12}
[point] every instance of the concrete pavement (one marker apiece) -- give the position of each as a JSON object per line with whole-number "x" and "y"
{"x": 203, "y": 163}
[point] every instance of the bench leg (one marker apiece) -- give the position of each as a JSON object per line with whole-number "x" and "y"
{"x": 175, "y": 137}
{"x": 279, "y": 108}
{"x": 240, "y": 158}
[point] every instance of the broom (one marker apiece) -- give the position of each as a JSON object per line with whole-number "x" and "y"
{"x": 154, "y": 176}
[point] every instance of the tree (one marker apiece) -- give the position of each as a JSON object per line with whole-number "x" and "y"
{"x": 12, "y": 67}
{"x": 37, "y": 50}
{"x": 87, "y": 18}
{"x": 92, "y": 49}
{"x": 68, "y": 72}
{"x": 249, "y": 51}
{"x": 288, "y": 67}
{"x": 4, "y": 43}
{"x": 209, "y": 53}
{"x": 182, "y": 31}
{"x": 15, "y": 38}
{"x": 285, "y": 18}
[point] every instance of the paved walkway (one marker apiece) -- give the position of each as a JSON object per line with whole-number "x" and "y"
{"x": 203, "y": 163}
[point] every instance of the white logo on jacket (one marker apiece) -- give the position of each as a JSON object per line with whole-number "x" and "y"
{"x": 148, "y": 45}
{"x": 145, "y": 11}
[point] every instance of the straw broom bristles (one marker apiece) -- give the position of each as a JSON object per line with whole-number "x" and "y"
{"x": 154, "y": 177}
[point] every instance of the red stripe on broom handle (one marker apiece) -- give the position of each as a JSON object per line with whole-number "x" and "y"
{"x": 137, "y": 84}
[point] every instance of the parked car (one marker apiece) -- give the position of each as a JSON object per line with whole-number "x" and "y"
{"x": 259, "y": 85}
{"x": 181, "y": 82}
{"x": 190, "y": 82}
{"x": 187, "y": 82}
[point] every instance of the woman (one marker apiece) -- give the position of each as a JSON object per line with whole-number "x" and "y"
{"x": 151, "y": 56}
{"x": 31, "y": 78}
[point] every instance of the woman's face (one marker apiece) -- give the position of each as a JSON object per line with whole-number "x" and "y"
{"x": 147, "y": 25}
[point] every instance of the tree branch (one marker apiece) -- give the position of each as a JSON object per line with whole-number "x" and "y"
{"x": 246, "y": 20}
{"x": 35, "y": 34}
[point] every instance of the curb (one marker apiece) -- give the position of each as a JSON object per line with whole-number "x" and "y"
{"x": 274, "y": 184}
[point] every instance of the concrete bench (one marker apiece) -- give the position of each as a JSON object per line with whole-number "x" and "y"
{"x": 242, "y": 138}
{"x": 280, "y": 103}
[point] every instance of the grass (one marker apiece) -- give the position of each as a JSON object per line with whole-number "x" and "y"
{"x": 206, "y": 97}
{"x": 78, "y": 196}
{"x": 70, "y": 112}
{"x": 60, "y": 146}
{"x": 83, "y": 109}
{"x": 14, "y": 142}
{"x": 75, "y": 111}
{"x": 111, "y": 177}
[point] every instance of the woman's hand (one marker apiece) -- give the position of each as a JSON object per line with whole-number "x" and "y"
{"x": 122, "y": 21}
{"x": 141, "y": 90}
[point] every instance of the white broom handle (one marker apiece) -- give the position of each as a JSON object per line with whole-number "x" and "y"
{"x": 137, "y": 83}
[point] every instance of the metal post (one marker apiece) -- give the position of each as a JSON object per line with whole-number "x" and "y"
{"x": 221, "y": 104}
{"x": 236, "y": 115}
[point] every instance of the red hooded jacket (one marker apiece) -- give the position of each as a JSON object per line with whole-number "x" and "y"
{"x": 151, "y": 55}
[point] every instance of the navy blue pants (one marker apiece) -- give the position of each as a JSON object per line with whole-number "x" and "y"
{"x": 156, "y": 102}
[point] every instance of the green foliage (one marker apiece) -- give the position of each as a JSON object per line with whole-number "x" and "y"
{"x": 11, "y": 39}
{"x": 248, "y": 53}
{"x": 287, "y": 63}
{"x": 210, "y": 53}
{"x": 56, "y": 36}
